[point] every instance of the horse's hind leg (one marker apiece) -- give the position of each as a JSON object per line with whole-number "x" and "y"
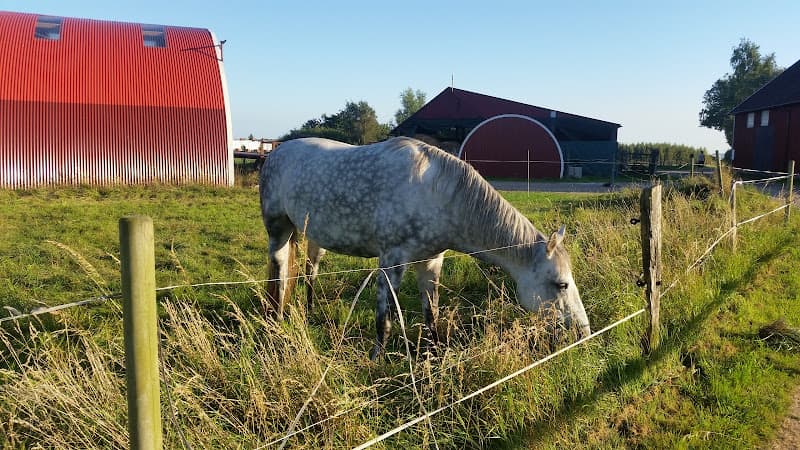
{"x": 314, "y": 254}
{"x": 428, "y": 273}
{"x": 383, "y": 315}
{"x": 282, "y": 267}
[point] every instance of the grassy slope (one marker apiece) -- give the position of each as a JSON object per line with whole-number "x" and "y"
{"x": 712, "y": 384}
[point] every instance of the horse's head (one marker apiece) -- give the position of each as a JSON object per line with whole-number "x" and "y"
{"x": 549, "y": 286}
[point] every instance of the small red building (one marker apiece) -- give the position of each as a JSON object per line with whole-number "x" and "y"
{"x": 507, "y": 139}
{"x": 97, "y": 102}
{"x": 766, "y": 130}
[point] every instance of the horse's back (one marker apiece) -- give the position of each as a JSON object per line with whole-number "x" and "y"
{"x": 354, "y": 199}
{"x": 316, "y": 165}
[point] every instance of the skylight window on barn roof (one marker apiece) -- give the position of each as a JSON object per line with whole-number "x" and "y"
{"x": 154, "y": 36}
{"x": 48, "y": 28}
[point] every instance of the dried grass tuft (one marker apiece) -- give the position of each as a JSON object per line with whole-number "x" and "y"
{"x": 780, "y": 335}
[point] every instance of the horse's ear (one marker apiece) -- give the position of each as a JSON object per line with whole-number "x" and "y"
{"x": 555, "y": 239}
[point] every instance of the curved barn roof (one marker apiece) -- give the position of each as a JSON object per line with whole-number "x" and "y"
{"x": 152, "y": 94}
{"x": 104, "y": 62}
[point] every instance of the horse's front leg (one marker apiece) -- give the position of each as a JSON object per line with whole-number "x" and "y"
{"x": 428, "y": 273}
{"x": 383, "y": 320}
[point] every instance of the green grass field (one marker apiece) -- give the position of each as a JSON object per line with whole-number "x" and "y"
{"x": 234, "y": 379}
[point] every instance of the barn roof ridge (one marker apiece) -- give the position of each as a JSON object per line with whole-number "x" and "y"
{"x": 495, "y": 98}
{"x": 782, "y": 90}
{"x": 103, "y": 21}
{"x": 478, "y": 107}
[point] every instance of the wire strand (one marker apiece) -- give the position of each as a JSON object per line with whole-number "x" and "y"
{"x": 43, "y": 310}
{"x": 714, "y": 244}
{"x": 763, "y": 180}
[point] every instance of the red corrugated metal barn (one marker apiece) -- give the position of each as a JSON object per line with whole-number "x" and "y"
{"x": 766, "y": 131}
{"x": 507, "y": 139}
{"x": 98, "y": 102}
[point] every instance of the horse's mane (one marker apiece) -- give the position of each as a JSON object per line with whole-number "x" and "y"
{"x": 488, "y": 211}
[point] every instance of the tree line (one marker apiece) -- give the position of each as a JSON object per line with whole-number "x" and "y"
{"x": 357, "y": 123}
{"x": 668, "y": 154}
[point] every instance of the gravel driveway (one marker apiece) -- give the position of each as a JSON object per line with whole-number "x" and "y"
{"x": 565, "y": 186}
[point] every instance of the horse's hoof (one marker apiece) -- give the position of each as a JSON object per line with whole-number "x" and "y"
{"x": 375, "y": 353}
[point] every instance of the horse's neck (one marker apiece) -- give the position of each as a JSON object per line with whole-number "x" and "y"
{"x": 501, "y": 236}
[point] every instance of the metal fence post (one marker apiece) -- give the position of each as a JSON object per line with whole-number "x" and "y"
{"x": 691, "y": 166}
{"x": 140, "y": 326}
{"x": 529, "y": 171}
{"x": 789, "y": 193}
{"x": 651, "y": 262}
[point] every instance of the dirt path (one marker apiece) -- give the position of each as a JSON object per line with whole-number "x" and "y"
{"x": 789, "y": 434}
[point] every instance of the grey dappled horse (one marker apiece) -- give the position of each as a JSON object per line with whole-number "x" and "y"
{"x": 402, "y": 201}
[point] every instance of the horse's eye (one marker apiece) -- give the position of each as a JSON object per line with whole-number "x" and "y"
{"x": 562, "y": 286}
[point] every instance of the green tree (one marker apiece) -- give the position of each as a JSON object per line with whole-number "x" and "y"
{"x": 751, "y": 70}
{"x": 251, "y": 138}
{"x": 411, "y": 102}
{"x": 356, "y": 124}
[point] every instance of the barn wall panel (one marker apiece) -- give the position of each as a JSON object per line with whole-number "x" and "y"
{"x": 71, "y": 153}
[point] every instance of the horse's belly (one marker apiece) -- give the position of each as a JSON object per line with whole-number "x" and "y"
{"x": 340, "y": 235}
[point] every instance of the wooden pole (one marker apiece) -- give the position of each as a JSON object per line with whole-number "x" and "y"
{"x": 719, "y": 173}
{"x": 651, "y": 262}
{"x": 691, "y": 166}
{"x": 734, "y": 227}
{"x": 789, "y": 193}
{"x": 141, "y": 331}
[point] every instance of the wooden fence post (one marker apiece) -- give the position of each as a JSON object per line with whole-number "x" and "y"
{"x": 140, "y": 326}
{"x": 651, "y": 261}
{"x": 734, "y": 223}
{"x": 719, "y": 173}
{"x": 789, "y": 193}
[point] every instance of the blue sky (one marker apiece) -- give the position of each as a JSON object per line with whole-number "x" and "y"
{"x": 642, "y": 64}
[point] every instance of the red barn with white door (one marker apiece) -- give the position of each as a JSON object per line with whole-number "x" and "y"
{"x": 97, "y": 102}
{"x": 507, "y": 139}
